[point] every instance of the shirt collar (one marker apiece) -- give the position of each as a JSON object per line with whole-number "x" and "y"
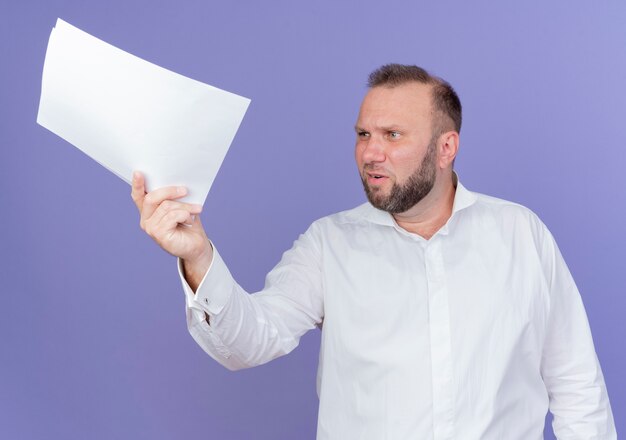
{"x": 462, "y": 199}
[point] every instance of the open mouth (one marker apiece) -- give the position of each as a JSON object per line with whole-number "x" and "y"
{"x": 375, "y": 178}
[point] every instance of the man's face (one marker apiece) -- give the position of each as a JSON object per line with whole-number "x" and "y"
{"x": 395, "y": 150}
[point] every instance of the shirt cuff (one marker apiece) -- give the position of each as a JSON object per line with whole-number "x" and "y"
{"x": 214, "y": 290}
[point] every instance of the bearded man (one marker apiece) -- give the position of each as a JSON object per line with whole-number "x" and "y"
{"x": 444, "y": 313}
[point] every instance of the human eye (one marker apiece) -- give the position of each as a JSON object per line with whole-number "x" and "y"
{"x": 361, "y": 134}
{"x": 392, "y": 134}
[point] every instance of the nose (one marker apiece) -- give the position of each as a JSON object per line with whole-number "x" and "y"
{"x": 373, "y": 150}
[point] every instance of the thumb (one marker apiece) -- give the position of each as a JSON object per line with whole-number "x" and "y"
{"x": 138, "y": 192}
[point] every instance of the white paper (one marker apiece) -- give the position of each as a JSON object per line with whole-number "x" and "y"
{"x": 129, "y": 114}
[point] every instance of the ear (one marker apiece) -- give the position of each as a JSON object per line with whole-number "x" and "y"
{"x": 448, "y": 148}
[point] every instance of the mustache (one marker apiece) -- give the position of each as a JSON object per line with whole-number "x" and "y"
{"x": 371, "y": 168}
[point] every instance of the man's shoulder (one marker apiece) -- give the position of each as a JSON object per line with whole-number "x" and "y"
{"x": 505, "y": 211}
{"x": 498, "y": 205}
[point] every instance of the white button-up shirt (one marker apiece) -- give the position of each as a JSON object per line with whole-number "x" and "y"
{"x": 472, "y": 334}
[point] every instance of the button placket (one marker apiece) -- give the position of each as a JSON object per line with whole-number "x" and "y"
{"x": 440, "y": 344}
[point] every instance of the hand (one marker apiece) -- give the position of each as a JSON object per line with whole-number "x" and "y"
{"x": 175, "y": 226}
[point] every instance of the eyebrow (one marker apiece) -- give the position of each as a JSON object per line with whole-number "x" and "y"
{"x": 391, "y": 128}
{"x": 384, "y": 128}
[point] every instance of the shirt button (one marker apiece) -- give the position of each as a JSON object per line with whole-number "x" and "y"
{"x": 206, "y": 301}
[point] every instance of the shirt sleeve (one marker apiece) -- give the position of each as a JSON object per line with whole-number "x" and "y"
{"x": 570, "y": 369}
{"x": 245, "y": 330}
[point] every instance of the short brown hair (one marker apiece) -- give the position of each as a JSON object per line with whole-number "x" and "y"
{"x": 445, "y": 100}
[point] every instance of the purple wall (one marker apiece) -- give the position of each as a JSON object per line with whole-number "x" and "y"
{"x": 93, "y": 337}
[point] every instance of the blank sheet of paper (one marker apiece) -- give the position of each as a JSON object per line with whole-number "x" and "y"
{"x": 129, "y": 114}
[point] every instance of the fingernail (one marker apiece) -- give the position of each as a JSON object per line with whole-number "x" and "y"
{"x": 192, "y": 218}
{"x": 181, "y": 190}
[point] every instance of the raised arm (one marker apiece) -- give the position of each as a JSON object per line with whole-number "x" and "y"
{"x": 236, "y": 329}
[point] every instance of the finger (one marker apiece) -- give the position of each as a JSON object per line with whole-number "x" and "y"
{"x": 164, "y": 230}
{"x": 138, "y": 189}
{"x": 171, "y": 205}
{"x": 190, "y": 221}
{"x": 194, "y": 222}
{"x": 154, "y": 199}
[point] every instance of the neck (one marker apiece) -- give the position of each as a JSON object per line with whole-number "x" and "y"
{"x": 432, "y": 212}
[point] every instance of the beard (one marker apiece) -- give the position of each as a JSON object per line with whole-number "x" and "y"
{"x": 403, "y": 197}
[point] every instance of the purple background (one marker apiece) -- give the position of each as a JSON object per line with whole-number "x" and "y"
{"x": 93, "y": 336}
